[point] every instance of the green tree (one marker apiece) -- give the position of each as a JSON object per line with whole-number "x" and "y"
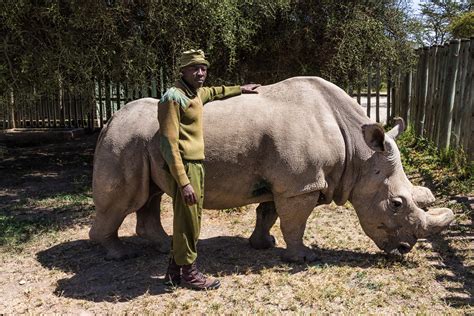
{"x": 48, "y": 45}
{"x": 463, "y": 25}
{"x": 436, "y": 16}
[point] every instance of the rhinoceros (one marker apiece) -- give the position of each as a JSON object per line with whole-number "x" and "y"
{"x": 297, "y": 144}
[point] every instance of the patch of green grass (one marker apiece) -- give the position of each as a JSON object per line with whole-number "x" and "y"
{"x": 14, "y": 231}
{"x": 29, "y": 218}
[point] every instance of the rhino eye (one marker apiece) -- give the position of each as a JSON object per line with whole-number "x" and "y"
{"x": 396, "y": 204}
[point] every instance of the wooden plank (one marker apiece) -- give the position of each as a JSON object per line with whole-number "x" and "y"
{"x": 413, "y": 106}
{"x": 12, "y": 110}
{"x": 81, "y": 111}
{"x": 358, "y": 93}
{"x": 118, "y": 95}
{"x": 421, "y": 113}
{"x": 126, "y": 93}
{"x": 369, "y": 87}
{"x": 75, "y": 112}
{"x": 4, "y": 118}
{"x": 449, "y": 94}
{"x": 92, "y": 104}
{"x": 406, "y": 96}
{"x": 55, "y": 103}
{"x": 30, "y": 113}
{"x": 101, "y": 111}
{"x": 467, "y": 137}
{"x": 459, "y": 103}
{"x": 154, "y": 92}
{"x": 108, "y": 103}
{"x": 441, "y": 85}
{"x": 162, "y": 81}
{"x": 389, "y": 96}
{"x": 70, "y": 107}
{"x": 430, "y": 92}
{"x": 377, "y": 94}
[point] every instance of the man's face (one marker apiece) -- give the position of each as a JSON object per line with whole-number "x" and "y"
{"x": 195, "y": 75}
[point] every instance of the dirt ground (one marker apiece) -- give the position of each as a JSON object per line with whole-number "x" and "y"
{"x": 48, "y": 265}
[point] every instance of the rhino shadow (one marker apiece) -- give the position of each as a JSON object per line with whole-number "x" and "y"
{"x": 454, "y": 260}
{"x": 95, "y": 279}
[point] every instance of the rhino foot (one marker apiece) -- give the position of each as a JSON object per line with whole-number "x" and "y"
{"x": 262, "y": 242}
{"x": 303, "y": 254}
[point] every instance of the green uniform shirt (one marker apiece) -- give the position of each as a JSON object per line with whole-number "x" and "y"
{"x": 180, "y": 116}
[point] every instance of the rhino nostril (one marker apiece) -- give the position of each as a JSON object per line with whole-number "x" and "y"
{"x": 404, "y": 248}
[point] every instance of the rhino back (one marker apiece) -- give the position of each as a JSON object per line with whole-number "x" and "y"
{"x": 289, "y": 139}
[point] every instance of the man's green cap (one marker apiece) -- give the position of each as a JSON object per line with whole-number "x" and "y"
{"x": 193, "y": 57}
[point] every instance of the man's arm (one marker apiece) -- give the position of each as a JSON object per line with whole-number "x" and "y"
{"x": 208, "y": 94}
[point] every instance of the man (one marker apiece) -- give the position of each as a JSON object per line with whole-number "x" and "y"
{"x": 180, "y": 113}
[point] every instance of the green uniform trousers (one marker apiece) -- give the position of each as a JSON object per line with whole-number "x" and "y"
{"x": 187, "y": 218}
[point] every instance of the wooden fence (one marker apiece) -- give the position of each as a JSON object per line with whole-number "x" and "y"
{"x": 437, "y": 97}
{"x": 68, "y": 110}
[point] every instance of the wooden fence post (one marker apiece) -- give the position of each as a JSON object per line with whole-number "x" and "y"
{"x": 459, "y": 103}
{"x": 423, "y": 88}
{"x": 12, "y": 111}
{"x": 467, "y": 129}
{"x": 118, "y": 95}
{"x": 369, "y": 87}
{"x": 101, "y": 111}
{"x": 108, "y": 103}
{"x": 377, "y": 93}
{"x": 406, "y": 95}
{"x": 442, "y": 58}
{"x": 432, "y": 72}
{"x": 389, "y": 96}
{"x": 448, "y": 96}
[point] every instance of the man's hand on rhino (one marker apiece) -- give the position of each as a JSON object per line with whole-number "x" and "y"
{"x": 249, "y": 88}
{"x": 188, "y": 194}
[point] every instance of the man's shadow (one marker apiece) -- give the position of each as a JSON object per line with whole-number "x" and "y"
{"x": 95, "y": 279}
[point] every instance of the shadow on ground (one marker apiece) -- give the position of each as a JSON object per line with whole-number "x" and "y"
{"x": 460, "y": 277}
{"x": 97, "y": 280}
{"x": 39, "y": 172}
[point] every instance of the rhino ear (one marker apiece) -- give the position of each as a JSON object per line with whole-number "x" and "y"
{"x": 374, "y": 136}
{"x": 397, "y": 129}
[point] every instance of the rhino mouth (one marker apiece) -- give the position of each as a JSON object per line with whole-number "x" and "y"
{"x": 402, "y": 249}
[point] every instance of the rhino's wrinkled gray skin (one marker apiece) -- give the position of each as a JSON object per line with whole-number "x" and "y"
{"x": 297, "y": 144}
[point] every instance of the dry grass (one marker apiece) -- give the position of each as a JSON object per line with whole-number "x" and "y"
{"x": 60, "y": 271}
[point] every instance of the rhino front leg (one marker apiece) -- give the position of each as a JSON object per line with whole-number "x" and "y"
{"x": 294, "y": 213}
{"x": 149, "y": 222}
{"x": 266, "y": 218}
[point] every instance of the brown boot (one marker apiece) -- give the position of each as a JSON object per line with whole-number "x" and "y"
{"x": 173, "y": 273}
{"x": 195, "y": 280}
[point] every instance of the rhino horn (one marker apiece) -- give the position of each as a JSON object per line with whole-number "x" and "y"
{"x": 437, "y": 219}
{"x": 422, "y": 196}
{"x": 398, "y": 129}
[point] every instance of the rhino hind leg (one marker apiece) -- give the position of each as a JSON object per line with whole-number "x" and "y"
{"x": 294, "y": 213}
{"x": 266, "y": 218}
{"x": 149, "y": 222}
{"x": 105, "y": 232}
